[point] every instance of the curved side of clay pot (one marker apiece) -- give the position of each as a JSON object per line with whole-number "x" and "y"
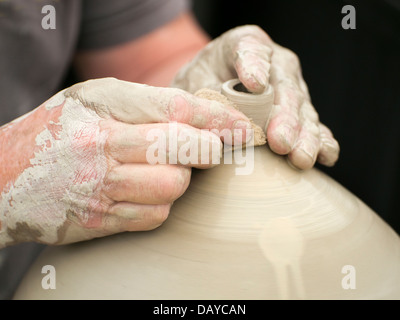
{"x": 277, "y": 233}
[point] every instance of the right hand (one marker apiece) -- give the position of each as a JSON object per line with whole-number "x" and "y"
{"x": 248, "y": 53}
{"x": 75, "y": 168}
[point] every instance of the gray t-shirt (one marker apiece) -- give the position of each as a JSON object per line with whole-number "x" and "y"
{"x": 34, "y": 62}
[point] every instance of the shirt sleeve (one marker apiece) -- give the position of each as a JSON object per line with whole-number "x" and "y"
{"x": 108, "y": 23}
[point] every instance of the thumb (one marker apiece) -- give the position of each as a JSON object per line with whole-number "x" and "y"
{"x": 252, "y": 52}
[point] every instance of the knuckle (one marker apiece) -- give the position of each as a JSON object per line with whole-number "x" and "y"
{"x": 289, "y": 85}
{"x": 178, "y": 107}
{"x": 87, "y": 90}
{"x": 253, "y": 29}
{"x": 313, "y": 129}
{"x": 246, "y": 29}
{"x": 308, "y": 113}
{"x": 113, "y": 178}
{"x": 293, "y": 57}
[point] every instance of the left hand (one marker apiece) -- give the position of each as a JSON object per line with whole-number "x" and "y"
{"x": 248, "y": 53}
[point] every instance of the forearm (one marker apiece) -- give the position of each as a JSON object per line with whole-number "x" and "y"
{"x": 153, "y": 59}
{"x": 161, "y": 75}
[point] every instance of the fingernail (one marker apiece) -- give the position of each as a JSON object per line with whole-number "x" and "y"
{"x": 300, "y": 159}
{"x": 308, "y": 154}
{"x": 305, "y": 159}
{"x": 261, "y": 79}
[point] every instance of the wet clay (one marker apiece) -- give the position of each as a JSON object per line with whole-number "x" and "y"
{"x": 275, "y": 233}
{"x": 205, "y": 93}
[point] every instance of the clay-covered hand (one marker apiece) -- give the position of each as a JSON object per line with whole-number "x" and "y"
{"x": 79, "y": 166}
{"x": 248, "y": 53}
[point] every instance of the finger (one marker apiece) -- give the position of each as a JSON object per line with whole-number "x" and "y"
{"x": 329, "y": 152}
{"x": 146, "y": 184}
{"x": 252, "y": 64}
{"x": 293, "y": 111}
{"x": 284, "y": 125}
{"x": 162, "y": 143}
{"x": 126, "y": 216}
{"x": 305, "y": 151}
{"x": 287, "y": 68}
{"x": 138, "y": 104}
{"x": 307, "y": 146}
{"x": 284, "y": 64}
{"x": 283, "y": 129}
{"x": 212, "y": 115}
{"x": 253, "y": 59}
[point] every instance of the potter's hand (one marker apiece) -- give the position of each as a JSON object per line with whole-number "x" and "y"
{"x": 77, "y": 166}
{"x": 249, "y": 54}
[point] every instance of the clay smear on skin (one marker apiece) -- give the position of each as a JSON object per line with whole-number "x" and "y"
{"x": 41, "y": 200}
{"x": 14, "y": 146}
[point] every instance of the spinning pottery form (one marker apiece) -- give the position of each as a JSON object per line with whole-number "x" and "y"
{"x": 276, "y": 233}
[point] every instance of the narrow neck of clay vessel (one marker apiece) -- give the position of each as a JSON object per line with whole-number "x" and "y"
{"x": 257, "y": 107}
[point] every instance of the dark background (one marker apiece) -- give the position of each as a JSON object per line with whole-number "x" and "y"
{"x": 353, "y": 79}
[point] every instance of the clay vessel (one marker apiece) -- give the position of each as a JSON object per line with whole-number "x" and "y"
{"x": 276, "y": 233}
